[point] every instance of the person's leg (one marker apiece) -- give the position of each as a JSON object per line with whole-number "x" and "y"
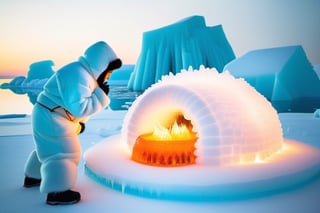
{"x": 59, "y": 176}
{"x": 59, "y": 173}
{"x": 59, "y": 152}
{"x": 32, "y": 170}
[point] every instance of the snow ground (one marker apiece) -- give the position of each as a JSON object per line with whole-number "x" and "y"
{"x": 16, "y": 144}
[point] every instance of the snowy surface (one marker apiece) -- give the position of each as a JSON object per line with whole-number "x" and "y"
{"x": 16, "y": 144}
{"x": 296, "y": 164}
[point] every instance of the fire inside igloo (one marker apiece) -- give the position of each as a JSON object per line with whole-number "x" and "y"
{"x": 201, "y": 135}
{"x": 232, "y": 121}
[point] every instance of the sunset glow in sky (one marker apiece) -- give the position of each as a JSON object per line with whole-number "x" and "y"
{"x": 36, "y": 30}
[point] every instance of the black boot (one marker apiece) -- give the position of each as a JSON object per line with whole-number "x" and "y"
{"x": 31, "y": 182}
{"x": 63, "y": 198}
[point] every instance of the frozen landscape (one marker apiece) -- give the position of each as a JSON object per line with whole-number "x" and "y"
{"x": 275, "y": 83}
{"x": 16, "y": 144}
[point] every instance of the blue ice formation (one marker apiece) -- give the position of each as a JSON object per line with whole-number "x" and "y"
{"x": 283, "y": 75}
{"x": 17, "y": 81}
{"x": 121, "y": 76}
{"x": 37, "y": 76}
{"x": 40, "y": 70}
{"x": 317, "y": 69}
{"x": 172, "y": 48}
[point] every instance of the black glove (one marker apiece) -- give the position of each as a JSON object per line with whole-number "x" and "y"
{"x": 83, "y": 126}
{"x": 104, "y": 87}
{"x": 112, "y": 66}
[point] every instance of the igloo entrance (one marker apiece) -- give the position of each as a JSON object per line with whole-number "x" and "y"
{"x": 171, "y": 143}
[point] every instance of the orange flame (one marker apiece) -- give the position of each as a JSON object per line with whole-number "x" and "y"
{"x": 179, "y": 130}
{"x": 176, "y": 132}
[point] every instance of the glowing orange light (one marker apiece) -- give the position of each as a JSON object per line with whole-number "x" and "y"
{"x": 258, "y": 158}
{"x": 176, "y": 132}
{"x": 173, "y": 146}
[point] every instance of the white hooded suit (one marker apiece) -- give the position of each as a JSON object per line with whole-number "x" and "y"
{"x": 69, "y": 97}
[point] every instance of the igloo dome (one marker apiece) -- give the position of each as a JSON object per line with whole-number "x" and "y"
{"x": 230, "y": 147}
{"x": 233, "y": 122}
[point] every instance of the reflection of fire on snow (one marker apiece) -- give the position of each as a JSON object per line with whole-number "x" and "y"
{"x": 232, "y": 122}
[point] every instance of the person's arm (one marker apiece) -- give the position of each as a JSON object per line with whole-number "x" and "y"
{"x": 81, "y": 94}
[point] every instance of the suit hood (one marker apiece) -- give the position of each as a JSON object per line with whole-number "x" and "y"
{"x": 98, "y": 57}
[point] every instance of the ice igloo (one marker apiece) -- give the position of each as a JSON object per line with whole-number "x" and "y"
{"x": 239, "y": 148}
{"x": 233, "y": 122}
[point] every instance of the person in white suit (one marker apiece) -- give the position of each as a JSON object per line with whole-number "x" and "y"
{"x": 74, "y": 93}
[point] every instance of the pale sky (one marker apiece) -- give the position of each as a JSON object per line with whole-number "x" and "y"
{"x": 61, "y": 30}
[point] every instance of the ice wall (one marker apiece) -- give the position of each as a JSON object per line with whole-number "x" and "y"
{"x": 283, "y": 75}
{"x": 172, "y": 48}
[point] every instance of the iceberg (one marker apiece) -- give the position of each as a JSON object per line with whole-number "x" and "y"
{"x": 317, "y": 69}
{"x": 38, "y": 74}
{"x": 317, "y": 113}
{"x": 121, "y": 76}
{"x": 283, "y": 75}
{"x": 16, "y": 82}
{"x": 175, "y": 47}
{"x": 40, "y": 70}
